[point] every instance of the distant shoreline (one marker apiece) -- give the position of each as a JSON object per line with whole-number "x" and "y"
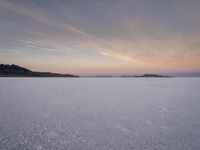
{"x": 129, "y": 76}
{"x": 17, "y": 71}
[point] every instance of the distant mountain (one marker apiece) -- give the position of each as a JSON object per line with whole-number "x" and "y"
{"x": 17, "y": 71}
{"x": 149, "y": 75}
{"x": 127, "y": 76}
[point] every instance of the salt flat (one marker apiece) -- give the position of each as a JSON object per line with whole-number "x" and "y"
{"x": 100, "y": 113}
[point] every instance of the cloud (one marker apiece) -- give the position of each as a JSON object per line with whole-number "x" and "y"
{"x": 11, "y": 51}
{"x": 131, "y": 39}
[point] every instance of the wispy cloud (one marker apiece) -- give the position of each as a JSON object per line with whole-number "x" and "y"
{"x": 132, "y": 39}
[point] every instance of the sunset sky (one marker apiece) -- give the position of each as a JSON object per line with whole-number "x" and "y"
{"x": 102, "y": 37}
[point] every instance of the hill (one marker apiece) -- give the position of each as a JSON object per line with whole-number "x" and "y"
{"x": 147, "y": 76}
{"x": 17, "y": 71}
{"x": 151, "y": 75}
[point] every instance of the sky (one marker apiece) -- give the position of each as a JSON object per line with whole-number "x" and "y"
{"x": 102, "y": 37}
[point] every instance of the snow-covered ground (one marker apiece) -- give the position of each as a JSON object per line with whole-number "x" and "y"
{"x": 100, "y": 113}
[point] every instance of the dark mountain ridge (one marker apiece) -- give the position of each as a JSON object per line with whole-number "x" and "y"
{"x": 17, "y": 71}
{"x": 152, "y": 75}
{"x": 128, "y": 76}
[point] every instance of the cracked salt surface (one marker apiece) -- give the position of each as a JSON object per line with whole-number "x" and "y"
{"x": 100, "y": 113}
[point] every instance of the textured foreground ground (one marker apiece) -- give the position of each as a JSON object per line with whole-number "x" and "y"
{"x": 100, "y": 113}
